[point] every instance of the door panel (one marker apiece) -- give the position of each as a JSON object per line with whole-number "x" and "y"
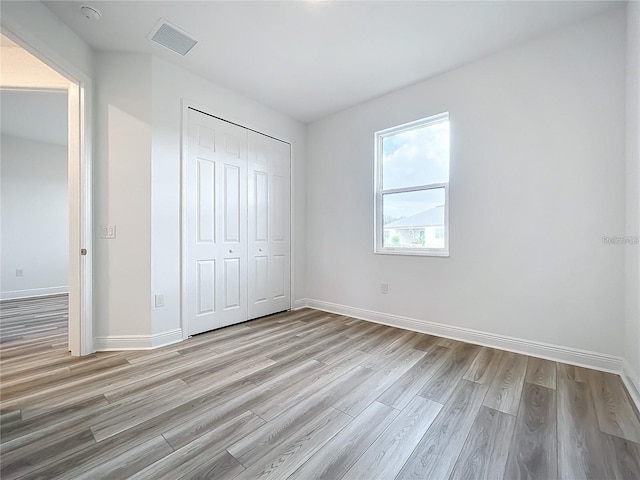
{"x": 206, "y": 286}
{"x": 269, "y": 225}
{"x": 232, "y": 284}
{"x": 232, "y": 211}
{"x": 279, "y": 288}
{"x": 205, "y": 207}
{"x": 261, "y": 279}
{"x": 216, "y": 218}
{"x": 280, "y": 198}
{"x": 261, "y": 180}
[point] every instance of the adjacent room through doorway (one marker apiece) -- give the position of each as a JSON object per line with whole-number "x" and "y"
{"x": 34, "y": 282}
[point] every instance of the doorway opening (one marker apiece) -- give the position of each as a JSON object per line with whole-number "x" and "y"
{"x": 46, "y": 221}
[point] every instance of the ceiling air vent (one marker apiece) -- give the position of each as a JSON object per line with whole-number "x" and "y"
{"x": 172, "y": 37}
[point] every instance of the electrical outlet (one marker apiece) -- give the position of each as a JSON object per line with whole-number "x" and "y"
{"x": 159, "y": 301}
{"x": 19, "y": 273}
{"x": 109, "y": 232}
{"x": 384, "y": 288}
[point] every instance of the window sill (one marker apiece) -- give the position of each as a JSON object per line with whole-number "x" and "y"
{"x": 414, "y": 253}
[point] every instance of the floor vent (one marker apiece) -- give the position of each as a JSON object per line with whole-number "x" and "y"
{"x": 172, "y": 37}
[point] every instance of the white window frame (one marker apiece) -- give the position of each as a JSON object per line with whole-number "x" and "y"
{"x": 379, "y": 247}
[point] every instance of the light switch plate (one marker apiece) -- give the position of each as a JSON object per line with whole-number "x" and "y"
{"x": 109, "y": 232}
{"x": 159, "y": 301}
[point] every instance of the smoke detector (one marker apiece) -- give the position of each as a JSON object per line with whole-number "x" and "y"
{"x": 90, "y": 13}
{"x": 172, "y": 37}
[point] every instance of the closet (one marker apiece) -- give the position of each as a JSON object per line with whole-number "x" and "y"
{"x": 238, "y": 228}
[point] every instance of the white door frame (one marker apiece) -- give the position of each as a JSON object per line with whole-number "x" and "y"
{"x": 79, "y": 165}
{"x": 186, "y": 104}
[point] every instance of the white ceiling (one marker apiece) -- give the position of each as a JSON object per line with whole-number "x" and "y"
{"x": 34, "y": 115}
{"x": 311, "y": 58}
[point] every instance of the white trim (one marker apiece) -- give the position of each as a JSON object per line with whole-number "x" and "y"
{"x": 34, "y": 292}
{"x": 574, "y": 356}
{"x": 184, "y": 138}
{"x": 138, "y": 342}
{"x": 632, "y": 382}
{"x": 298, "y": 304}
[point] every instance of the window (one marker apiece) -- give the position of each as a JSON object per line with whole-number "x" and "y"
{"x": 412, "y": 188}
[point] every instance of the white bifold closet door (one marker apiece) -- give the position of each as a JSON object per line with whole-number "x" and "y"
{"x": 269, "y": 225}
{"x": 238, "y": 224}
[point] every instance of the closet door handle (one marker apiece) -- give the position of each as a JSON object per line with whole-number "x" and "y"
{"x": 259, "y": 249}
{"x": 230, "y": 251}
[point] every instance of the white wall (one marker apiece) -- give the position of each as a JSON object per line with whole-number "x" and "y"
{"x": 170, "y": 85}
{"x": 632, "y": 251}
{"x": 537, "y": 178}
{"x": 35, "y": 218}
{"x": 35, "y": 114}
{"x": 137, "y": 189}
{"x": 122, "y": 195}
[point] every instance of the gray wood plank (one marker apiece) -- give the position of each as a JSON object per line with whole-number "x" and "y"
{"x": 571, "y": 372}
{"x": 27, "y": 459}
{"x": 541, "y": 372}
{"x": 130, "y": 414}
{"x": 436, "y": 453}
{"x": 360, "y": 396}
{"x": 445, "y": 381}
{"x": 404, "y": 341}
{"x": 533, "y": 451}
{"x": 402, "y": 391}
{"x": 425, "y": 342}
{"x": 221, "y": 467}
{"x": 219, "y": 408}
{"x": 384, "y": 459}
{"x": 486, "y": 449}
{"x": 202, "y": 452}
{"x": 506, "y": 387}
{"x": 580, "y": 448}
{"x": 484, "y": 367}
{"x": 261, "y": 442}
{"x": 283, "y": 459}
{"x": 335, "y": 458}
{"x": 127, "y": 463}
{"x": 622, "y": 458}
{"x": 271, "y": 407}
{"x": 449, "y": 343}
{"x": 616, "y": 415}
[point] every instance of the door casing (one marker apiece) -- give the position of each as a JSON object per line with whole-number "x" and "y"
{"x": 79, "y": 164}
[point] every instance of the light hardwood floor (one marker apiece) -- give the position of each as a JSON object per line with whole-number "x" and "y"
{"x": 302, "y": 395}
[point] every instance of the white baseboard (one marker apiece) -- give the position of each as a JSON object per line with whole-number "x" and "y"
{"x": 34, "y": 292}
{"x": 574, "y": 356}
{"x": 298, "y": 304}
{"x": 632, "y": 382}
{"x": 137, "y": 342}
